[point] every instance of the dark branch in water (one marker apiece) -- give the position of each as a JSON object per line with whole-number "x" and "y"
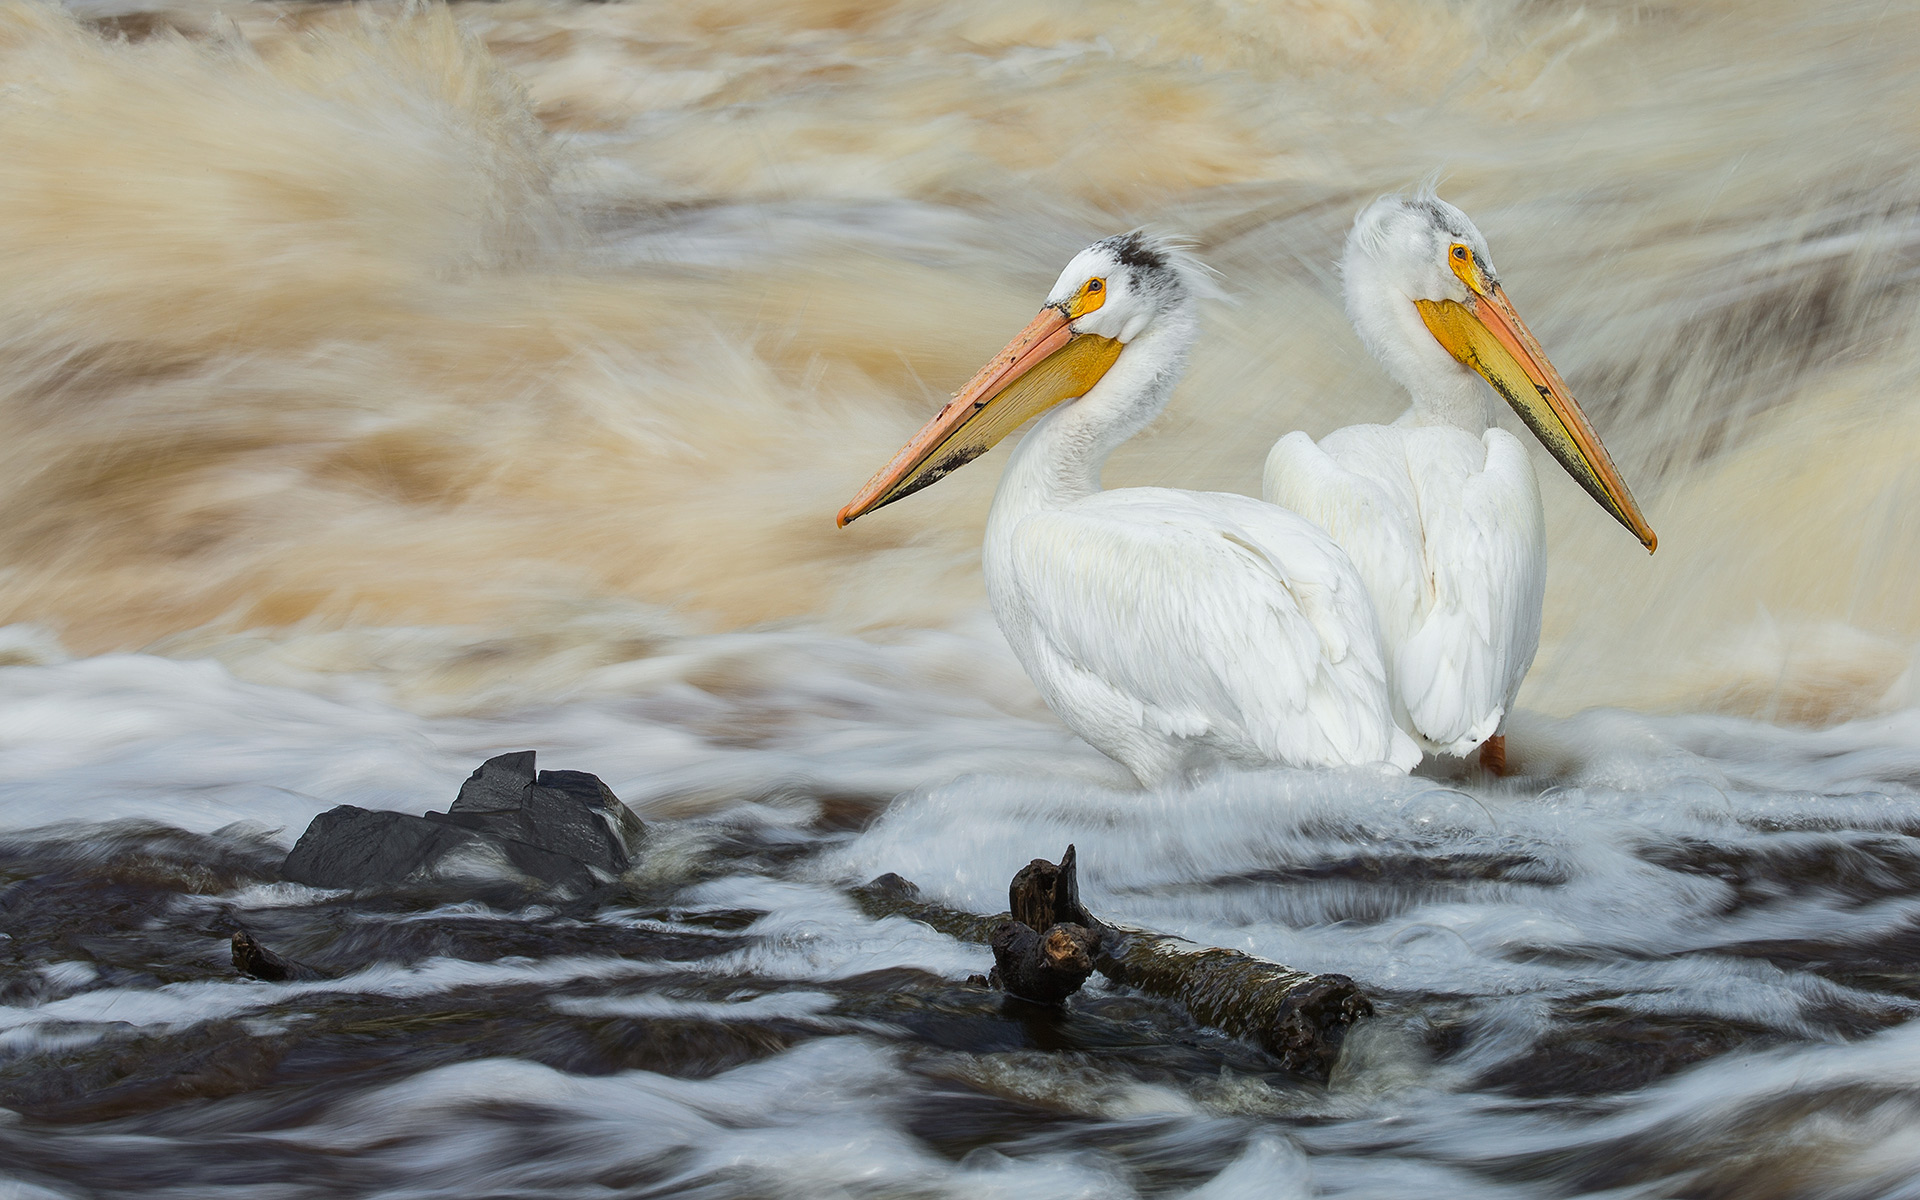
{"x": 1050, "y": 944}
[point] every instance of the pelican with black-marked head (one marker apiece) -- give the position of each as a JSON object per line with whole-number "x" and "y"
{"x": 1440, "y": 511}
{"x": 1169, "y": 629}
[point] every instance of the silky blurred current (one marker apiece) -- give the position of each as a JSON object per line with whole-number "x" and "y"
{"x": 383, "y": 388}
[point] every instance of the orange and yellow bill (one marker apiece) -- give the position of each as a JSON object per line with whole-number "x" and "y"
{"x": 1047, "y": 362}
{"x": 1487, "y": 335}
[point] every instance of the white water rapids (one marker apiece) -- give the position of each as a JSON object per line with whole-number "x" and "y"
{"x": 1696, "y": 888}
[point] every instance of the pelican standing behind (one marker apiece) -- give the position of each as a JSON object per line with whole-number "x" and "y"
{"x": 1167, "y": 628}
{"x": 1440, "y": 511}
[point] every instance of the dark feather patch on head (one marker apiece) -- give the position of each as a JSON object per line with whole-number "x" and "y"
{"x": 1152, "y": 264}
{"x": 1135, "y": 250}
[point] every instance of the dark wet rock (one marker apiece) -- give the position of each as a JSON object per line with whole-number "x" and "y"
{"x": 496, "y": 784}
{"x": 555, "y": 868}
{"x": 566, "y": 824}
{"x": 1858, "y": 869}
{"x": 726, "y": 920}
{"x": 847, "y": 812}
{"x": 1409, "y": 869}
{"x": 251, "y": 958}
{"x": 328, "y": 941}
{"x": 564, "y": 829}
{"x": 147, "y": 855}
{"x": 588, "y": 790}
{"x": 351, "y": 847}
{"x": 375, "y": 1039}
{"x": 97, "y": 899}
{"x": 505, "y": 797}
{"x": 1599, "y": 1049}
{"x": 1888, "y": 962}
{"x": 891, "y": 887}
{"x": 557, "y": 848}
{"x": 117, "y": 1076}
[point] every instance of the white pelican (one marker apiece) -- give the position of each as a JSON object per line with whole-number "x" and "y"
{"x": 1440, "y": 511}
{"x": 1167, "y": 628}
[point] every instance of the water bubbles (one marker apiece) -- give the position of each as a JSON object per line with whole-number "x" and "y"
{"x": 1426, "y": 939}
{"x": 1439, "y": 815}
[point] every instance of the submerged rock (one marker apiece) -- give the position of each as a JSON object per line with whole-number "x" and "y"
{"x": 565, "y": 829}
{"x": 251, "y": 958}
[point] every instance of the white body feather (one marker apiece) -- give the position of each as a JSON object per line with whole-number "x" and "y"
{"x": 1447, "y": 531}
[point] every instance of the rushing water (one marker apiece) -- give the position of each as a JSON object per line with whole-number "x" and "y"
{"x": 381, "y": 390}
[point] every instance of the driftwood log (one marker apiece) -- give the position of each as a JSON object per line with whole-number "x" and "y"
{"x": 1049, "y": 944}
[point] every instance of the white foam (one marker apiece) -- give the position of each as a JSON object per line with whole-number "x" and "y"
{"x": 187, "y": 743}
{"x": 1370, "y": 875}
{"x": 811, "y": 1121}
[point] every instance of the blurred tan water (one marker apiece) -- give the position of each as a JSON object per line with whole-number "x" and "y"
{"x": 546, "y": 330}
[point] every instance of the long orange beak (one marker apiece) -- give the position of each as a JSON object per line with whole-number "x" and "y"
{"x": 1045, "y": 364}
{"x": 1487, "y": 335}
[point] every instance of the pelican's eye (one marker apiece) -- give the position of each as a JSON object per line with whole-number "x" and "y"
{"x": 1460, "y": 258}
{"x": 1092, "y": 294}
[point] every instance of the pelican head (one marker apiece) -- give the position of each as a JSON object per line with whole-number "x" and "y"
{"x": 1112, "y": 293}
{"x": 1423, "y": 294}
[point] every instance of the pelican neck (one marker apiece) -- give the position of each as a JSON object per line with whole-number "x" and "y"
{"x": 1060, "y": 459}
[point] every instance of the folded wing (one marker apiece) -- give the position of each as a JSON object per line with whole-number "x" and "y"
{"x": 1446, "y": 530}
{"x": 1215, "y": 619}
